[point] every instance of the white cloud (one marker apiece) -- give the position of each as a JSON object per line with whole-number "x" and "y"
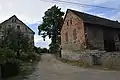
{"x": 28, "y": 11}
{"x": 40, "y": 43}
{"x": 116, "y": 17}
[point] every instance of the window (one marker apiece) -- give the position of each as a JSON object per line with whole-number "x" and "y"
{"x": 67, "y": 23}
{"x": 26, "y": 28}
{"x": 74, "y": 34}
{"x": 18, "y": 27}
{"x": 71, "y": 21}
{"x": 66, "y": 37}
{"x": 13, "y": 20}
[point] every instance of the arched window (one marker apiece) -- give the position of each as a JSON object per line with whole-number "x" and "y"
{"x": 74, "y": 34}
{"x": 66, "y": 37}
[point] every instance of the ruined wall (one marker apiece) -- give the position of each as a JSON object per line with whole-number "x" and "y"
{"x": 94, "y": 37}
{"x": 72, "y": 22}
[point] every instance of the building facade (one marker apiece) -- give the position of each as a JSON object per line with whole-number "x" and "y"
{"x": 85, "y": 31}
{"x": 14, "y": 23}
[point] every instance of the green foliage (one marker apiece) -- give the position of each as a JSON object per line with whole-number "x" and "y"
{"x": 7, "y": 55}
{"x": 54, "y": 47}
{"x": 40, "y": 50}
{"x": 51, "y": 26}
{"x": 15, "y": 47}
{"x": 23, "y": 56}
{"x": 52, "y": 16}
{"x": 15, "y": 40}
{"x": 44, "y": 50}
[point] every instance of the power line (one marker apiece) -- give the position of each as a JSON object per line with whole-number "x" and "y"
{"x": 82, "y": 5}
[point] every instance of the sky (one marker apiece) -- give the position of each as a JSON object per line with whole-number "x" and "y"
{"x": 32, "y": 11}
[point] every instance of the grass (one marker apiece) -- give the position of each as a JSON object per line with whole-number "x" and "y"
{"x": 76, "y": 63}
{"x": 87, "y": 65}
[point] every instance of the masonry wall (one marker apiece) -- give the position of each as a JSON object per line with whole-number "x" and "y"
{"x": 68, "y": 27}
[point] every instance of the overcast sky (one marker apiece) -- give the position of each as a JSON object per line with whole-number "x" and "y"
{"x": 32, "y": 11}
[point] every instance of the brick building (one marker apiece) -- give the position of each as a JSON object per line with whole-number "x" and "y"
{"x": 85, "y": 31}
{"x": 14, "y": 23}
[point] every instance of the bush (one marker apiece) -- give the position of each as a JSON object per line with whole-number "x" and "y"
{"x": 32, "y": 55}
{"x": 23, "y": 56}
{"x": 6, "y": 55}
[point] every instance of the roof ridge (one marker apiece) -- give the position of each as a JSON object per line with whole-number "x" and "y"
{"x": 92, "y": 15}
{"x": 9, "y": 18}
{"x": 19, "y": 20}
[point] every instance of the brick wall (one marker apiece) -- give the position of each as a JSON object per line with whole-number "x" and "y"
{"x": 68, "y": 27}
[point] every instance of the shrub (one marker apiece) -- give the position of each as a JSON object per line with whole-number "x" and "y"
{"x": 7, "y": 55}
{"x": 23, "y": 56}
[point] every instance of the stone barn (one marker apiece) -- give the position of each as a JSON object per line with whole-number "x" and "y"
{"x": 89, "y": 38}
{"x": 84, "y": 31}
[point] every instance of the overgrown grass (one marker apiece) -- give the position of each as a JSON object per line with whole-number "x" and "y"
{"x": 76, "y": 63}
{"x": 87, "y": 65}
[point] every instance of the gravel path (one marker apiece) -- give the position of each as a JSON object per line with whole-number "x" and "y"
{"x": 51, "y": 69}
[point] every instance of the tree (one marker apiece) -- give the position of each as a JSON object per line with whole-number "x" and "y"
{"x": 51, "y": 26}
{"x": 15, "y": 40}
{"x": 40, "y": 50}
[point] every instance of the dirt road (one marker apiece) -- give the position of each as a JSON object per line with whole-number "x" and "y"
{"x": 51, "y": 69}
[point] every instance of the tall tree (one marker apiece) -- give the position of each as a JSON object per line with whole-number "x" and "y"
{"x": 51, "y": 26}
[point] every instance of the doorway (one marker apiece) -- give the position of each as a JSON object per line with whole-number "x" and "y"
{"x": 109, "y": 43}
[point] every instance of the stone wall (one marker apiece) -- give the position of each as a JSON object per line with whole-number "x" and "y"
{"x": 94, "y": 57}
{"x": 85, "y": 55}
{"x": 111, "y": 60}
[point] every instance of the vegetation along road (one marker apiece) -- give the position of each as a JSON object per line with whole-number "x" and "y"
{"x": 51, "y": 69}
